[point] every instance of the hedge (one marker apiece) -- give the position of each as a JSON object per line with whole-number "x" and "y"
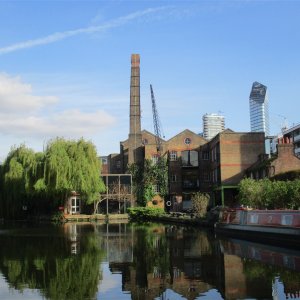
{"x": 144, "y": 213}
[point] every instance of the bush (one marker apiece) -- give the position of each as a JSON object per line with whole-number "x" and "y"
{"x": 58, "y": 217}
{"x": 267, "y": 194}
{"x": 200, "y": 203}
{"x": 144, "y": 213}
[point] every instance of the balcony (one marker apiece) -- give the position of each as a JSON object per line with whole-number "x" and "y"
{"x": 190, "y": 184}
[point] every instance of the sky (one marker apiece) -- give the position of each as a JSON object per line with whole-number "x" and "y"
{"x": 65, "y": 66}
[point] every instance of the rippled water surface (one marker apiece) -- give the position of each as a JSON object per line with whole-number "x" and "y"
{"x": 154, "y": 261}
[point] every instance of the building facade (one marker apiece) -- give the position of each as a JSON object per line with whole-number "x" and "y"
{"x": 293, "y": 134}
{"x": 259, "y": 108}
{"x": 212, "y": 125}
{"x": 182, "y": 151}
{"x": 194, "y": 163}
{"x": 182, "y": 154}
{"x": 224, "y": 161}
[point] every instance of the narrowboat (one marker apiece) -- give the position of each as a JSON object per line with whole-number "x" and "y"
{"x": 272, "y": 225}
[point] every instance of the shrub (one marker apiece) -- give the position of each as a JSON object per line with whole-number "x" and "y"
{"x": 58, "y": 217}
{"x": 200, "y": 203}
{"x": 250, "y": 192}
{"x": 144, "y": 213}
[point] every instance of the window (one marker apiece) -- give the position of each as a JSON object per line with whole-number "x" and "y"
{"x": 215, "y": 175}
{"x": 103, "y": 160}
{"x": 75, "y": 205}
{"x": 215, "y": 153}
{"x": 118, "y": 164}
{"x": 173, "y": 155}
{"x": 145, "y": 142}
{"x": 187, "y": 141}
{"x": 186, "y": 201}
{"x": 206, "y": 176}
{"x": 254, "y": 218}
{"x": 173, "y": 178}
{"x": 205, "y": 155}
{"x": 287, "y": 220}
{"x": 189, "y": 158}
{"x": 154, "y": 158}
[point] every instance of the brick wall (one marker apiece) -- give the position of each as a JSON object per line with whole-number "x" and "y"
{"x": 238, "y": 151}
{"x": 286, "y": 159}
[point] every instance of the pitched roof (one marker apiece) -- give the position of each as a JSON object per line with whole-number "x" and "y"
{"x": 187, "y": 131}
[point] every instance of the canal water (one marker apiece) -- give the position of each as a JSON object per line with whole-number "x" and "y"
{"x": 134, "y": 261}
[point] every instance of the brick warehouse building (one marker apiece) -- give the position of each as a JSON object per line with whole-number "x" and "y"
{"x": 194, "y": 164}
{"x": 224, "y": 160}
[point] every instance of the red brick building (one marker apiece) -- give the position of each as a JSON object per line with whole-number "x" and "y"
{"x": 284, "y": 160}
{"x": 224, "y": 160}
{"x": 194, "y": 164}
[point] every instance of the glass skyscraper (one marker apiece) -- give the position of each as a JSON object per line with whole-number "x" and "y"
{"x": 259, "y": 108}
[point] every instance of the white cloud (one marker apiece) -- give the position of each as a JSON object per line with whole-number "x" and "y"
{"x": 73, "y": 123}
{"x": 25, "y": 115}
{"x": 16, "y": 96}
{"x": 58, "y": 36}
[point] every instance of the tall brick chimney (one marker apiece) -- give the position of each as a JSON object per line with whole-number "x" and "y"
{"x": 135, "y": 136}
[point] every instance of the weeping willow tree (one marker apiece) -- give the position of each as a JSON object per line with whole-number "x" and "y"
{"x": 71, "y": 166}
{"x": 19, "y": 172}
{"x": 29, "y": 179}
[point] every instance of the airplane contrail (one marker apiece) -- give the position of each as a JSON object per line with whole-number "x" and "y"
{"x": 58, "y": 36}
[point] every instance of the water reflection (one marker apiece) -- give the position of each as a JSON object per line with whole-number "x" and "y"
{"x": 122, "y": 261}
{"x": 43, "y": 259}
{"x": 264, "y": 268}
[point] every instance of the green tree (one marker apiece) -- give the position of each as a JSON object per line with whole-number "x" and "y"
{"x": 270, "y": 194}
{"x": 29, "y": 178}
{"x": 250, "y": 192}
{"x": 295, "y": 194}
{"x": 18, "y": 174}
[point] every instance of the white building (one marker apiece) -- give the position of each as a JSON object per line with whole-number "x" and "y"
{"x": 259, "y": 108}
{"x": 212, "y": 125}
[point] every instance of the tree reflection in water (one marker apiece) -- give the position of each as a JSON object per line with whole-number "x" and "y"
{"x": 44, "y": 259}
{"x": 151, "y": 261}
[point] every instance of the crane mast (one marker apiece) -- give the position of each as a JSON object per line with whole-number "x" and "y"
{"x": 156, "y": 123}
